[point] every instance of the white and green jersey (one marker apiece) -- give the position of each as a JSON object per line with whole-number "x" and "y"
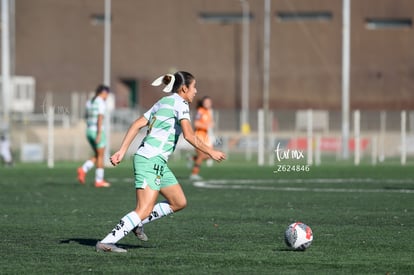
{"x": 164, "y": 126}
{"x": 93, "y": 110}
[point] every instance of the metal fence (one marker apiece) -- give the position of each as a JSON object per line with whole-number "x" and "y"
{"x": 380, "y": 133}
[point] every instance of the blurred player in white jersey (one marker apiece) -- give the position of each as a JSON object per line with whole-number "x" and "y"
{"x": 166, "y": 120}
{"x": 5, "y": 151}
{"x": 95, "y": 112}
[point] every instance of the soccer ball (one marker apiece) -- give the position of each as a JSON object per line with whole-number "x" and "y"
{"x": 298, "y": 236}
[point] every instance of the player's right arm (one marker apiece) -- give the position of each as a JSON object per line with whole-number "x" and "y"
{"x": 128, "y": 138}
{"x": 190, "y": 136}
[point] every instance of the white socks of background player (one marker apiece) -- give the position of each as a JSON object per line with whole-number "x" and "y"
{"x": 125, "y": 225}
{"x": 99, "y": 174}
{"x": 160, "y": 210}
{"x": 88, "y": 165}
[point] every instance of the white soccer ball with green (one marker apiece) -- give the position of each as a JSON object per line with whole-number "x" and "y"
{"x": 298, "y": 236}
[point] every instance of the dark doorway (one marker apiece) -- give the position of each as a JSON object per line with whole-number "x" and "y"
{"x": 133, "y": 86}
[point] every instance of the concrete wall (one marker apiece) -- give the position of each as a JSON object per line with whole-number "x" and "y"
{"x": 58, "y": 42}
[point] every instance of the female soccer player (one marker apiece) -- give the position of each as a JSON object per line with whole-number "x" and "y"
{"x": 203, "y": 126}
{"x": 166, "y": 120}
{"x": 95, "y": 111}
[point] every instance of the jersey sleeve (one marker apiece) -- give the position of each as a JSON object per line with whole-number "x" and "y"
{"x": 183, "y": 111}
{"x": 101, "y": 108}
{"x": 150, "y": 111}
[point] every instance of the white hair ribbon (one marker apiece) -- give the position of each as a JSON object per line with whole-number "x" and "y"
{"x": 158, "y": 82}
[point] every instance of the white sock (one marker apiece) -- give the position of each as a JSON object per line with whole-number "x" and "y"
{"x": 160, "y": 210}
{"x": 99, "y": 174}
{"x": 88, "y": 165}
{"x": 125, "y": 225}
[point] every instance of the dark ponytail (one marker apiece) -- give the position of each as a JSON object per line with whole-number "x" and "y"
{"x": 181, "y": 78}
{"x": 101, "y": 88}
{"x": 200, "y": 103}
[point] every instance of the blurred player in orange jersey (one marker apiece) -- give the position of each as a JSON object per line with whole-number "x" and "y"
{"x": 203, "y": 129}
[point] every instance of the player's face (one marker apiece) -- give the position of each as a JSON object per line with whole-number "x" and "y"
{"x": 191, "y": 91}
{"x": 104, "y": 95}
{"x": 207, "y": 103}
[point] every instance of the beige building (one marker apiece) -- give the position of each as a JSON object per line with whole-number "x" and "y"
{"x": 60, "y": 43}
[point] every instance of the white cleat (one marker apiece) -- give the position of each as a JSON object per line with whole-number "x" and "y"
{"x": 108, "y": 247}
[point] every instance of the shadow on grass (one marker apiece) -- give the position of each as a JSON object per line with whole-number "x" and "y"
{"x": 92, "y": 243}
{"x": 288, "y": 250}
{"x": 86, "y": 242}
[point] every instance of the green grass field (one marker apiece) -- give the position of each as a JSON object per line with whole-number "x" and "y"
{"x": 362, "y": 219}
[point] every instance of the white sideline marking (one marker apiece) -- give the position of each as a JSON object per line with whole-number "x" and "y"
{"x": 242, "y": 184}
